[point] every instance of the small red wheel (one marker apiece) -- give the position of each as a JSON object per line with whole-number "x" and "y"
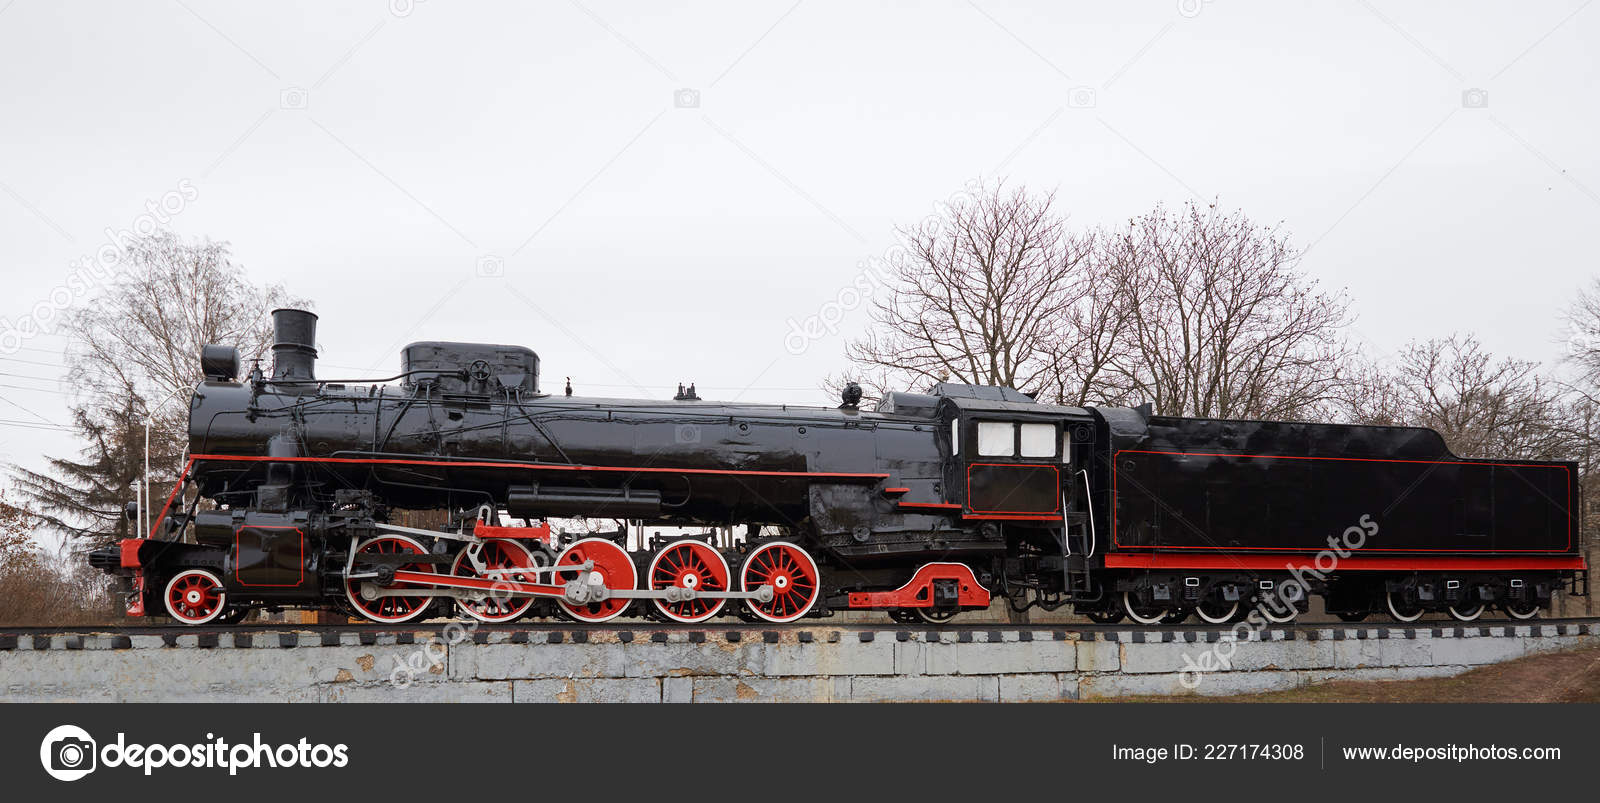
{"x": 792, "y": 574}
{"x": 689, "y": 564}
{"x": 195, "y": 597}
{"x": 613, "y": 569}
{"x": 390, "y": 610}
{"x": 501, "y": 561}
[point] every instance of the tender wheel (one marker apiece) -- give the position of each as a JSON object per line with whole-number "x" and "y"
{"x": 1403, "y": 610}
{"x": 502, "y": 559}
{"x": 1215, "y": 610}
{"x": 689, "y": 564}
{"x": 1466, "y": 613}
{"x": 1521, "y": 610}
{"x": 1280, "y": 618}
{"x": 195, "y": 597}
{"x": 1106, "y": 617}
{"x": 790, "y": 571}
{"x": 1144, "y": 615}
{"x": 1273, "y": 608}
{"x": 390, "y": 610}
{"x": 613, "y": 569}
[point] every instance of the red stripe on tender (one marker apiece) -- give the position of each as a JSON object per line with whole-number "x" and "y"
{"x": 533, "y": 466}
{"x": 1278, "y": 563}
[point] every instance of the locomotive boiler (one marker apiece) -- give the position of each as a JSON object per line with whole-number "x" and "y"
{"x": 447, "y": 488}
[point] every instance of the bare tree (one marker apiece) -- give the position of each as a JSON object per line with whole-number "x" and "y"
{"x": 1199, "y": 312}
{"x": 980, "y": 297}
{"x": 147, "y": 330}
{"x": 1092, "y": 340}
{"x": 1372, "y": 395}
{"x": 1219, "y": 321}
{"x": 1583, "y": 336}
{"x": 1481, "y": 405}
{"x": 135, "y": 348}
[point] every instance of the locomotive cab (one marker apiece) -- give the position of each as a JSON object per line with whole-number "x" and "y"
{"x": 1011, "y": 458}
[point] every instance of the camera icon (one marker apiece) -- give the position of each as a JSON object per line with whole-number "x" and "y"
{"x": 687, "y": 433}
{"x": 68, "y": 753}
{"x": 294, "y": 98}
{"x": 403, "y": 8}
{"x": 1081, "y": 97}
{"x": 491, "y": 266}
{"x": 1474, "y": 98}
{"x": 686, "y": 98}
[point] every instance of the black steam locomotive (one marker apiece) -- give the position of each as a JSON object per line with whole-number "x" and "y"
{"x": 309, "y": 494}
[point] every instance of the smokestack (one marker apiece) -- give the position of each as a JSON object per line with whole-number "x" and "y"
{"x": 294, "y": 345}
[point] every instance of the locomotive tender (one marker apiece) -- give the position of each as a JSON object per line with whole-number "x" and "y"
{"x": 929, "y": 505}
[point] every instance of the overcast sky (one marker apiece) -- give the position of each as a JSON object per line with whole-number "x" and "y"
{"x": 536, "y": 174}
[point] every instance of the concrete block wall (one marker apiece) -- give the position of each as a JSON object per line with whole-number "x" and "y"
{"x": 820, "y": 665}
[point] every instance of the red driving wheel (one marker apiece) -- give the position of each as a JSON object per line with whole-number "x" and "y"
{"x": 612, "y": 569}
{"x": 502, "y": 560}
{"x": 792, "y": 574}
{"x": 689, "y": 564}
{"x": 395, "y": 609}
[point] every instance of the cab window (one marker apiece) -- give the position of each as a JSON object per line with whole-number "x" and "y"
{"x": 1038, "y": 440}
{"x": 997, "y": 439}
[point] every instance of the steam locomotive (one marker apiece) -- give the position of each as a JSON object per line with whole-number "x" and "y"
{"x": 311, "y": 493}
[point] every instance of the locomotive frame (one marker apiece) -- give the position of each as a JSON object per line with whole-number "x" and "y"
{"x": 927, "y": 506}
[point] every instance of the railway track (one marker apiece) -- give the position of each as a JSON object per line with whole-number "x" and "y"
{"x": 292, "y": 635}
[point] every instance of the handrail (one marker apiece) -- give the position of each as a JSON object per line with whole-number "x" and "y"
{"x": 1088, "y": 504}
